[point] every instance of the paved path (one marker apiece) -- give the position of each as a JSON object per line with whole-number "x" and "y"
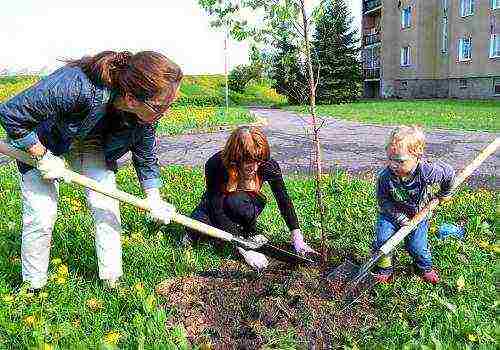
{"x": 358, "y": 148}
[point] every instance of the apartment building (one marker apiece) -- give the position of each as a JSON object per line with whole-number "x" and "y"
{"x": 431, "y": 48}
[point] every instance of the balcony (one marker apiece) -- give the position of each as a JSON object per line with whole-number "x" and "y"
{"x": 370, "y": 5}
{"x": 371, "y": 38}
{"x": 371, "y": 73}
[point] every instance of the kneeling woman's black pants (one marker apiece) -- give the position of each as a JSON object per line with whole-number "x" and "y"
{"x": 241, "y": 208}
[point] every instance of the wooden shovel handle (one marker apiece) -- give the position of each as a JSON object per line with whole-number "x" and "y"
{"x": 429, "y": 208}
{"x": 124, "y": 197}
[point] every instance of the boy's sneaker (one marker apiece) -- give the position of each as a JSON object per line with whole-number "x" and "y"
{"x": 383, "y": 278}
{"x": 431, "y": 276}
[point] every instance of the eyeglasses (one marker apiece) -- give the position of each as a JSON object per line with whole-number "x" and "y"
{"x": 399, "y": 159}
{"x": 157, "y": 108}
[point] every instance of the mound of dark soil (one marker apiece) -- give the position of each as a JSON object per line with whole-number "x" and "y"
{"x": 234, "y": 307}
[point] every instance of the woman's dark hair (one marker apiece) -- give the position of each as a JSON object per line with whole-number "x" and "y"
{"x": 143, "y": 75}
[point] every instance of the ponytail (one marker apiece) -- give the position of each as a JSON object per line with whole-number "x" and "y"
{"x": 142, "y": 75}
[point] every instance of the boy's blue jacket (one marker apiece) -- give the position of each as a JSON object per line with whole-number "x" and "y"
{"x": 401, "y": 200}
{"x": 67, "y": 106}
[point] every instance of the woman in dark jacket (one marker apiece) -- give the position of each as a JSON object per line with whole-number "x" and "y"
{"x": 92, "y": 111}
{"x": 233, "y": 199}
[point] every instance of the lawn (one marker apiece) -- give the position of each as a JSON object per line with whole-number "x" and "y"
{"x": 448, "y": 114}
{"x": 182, "y": 118}
{"x": 75, "y": 311}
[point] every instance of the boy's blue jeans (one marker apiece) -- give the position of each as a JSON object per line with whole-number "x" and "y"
{"x": 416, "y": 243}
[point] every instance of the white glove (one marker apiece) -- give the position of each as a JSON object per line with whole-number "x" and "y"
{"x": 256, "y": 260}
{"x": 52, "y": 167}
{"x": 159, "y": 209}
{"x": 299, "y": 245}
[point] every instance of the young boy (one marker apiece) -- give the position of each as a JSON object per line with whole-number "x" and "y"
{"x": 402, "y": 192}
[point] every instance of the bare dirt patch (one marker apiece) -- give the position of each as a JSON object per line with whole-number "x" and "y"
{"x": 234, "y": 307}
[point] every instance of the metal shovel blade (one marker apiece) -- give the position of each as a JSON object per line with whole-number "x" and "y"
{"x": 345, "y": 274}
{"x": 284, "y": 255}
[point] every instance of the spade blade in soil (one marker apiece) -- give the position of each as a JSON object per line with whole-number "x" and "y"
{"x": 283, "y": 255}
{"x": 344, "y": 274}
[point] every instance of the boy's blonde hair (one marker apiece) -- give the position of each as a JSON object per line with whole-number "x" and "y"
{"x": 410, "y": 139}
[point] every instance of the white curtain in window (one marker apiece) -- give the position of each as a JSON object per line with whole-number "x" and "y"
{"x": 464, "y": 49}
{"x": 405, "y": 56}
{"x": 406, "y": 17}
{"x": 495, "y": 45}
{"x": 444, "y": 36}
{"x": 466, "y": 7}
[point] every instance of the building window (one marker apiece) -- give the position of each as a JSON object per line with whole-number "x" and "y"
{"x": 465, "y": 49}
{"x": 495, "y": 4}
{"x": 406, "y": 17}
{"x": 444, "y": 36}
{"x": 466, "y": 8}
{"x": 495, "y": 46}
{"x": 405, "y": 56}
{"x": 496, "y": 86}
{"x": 462, "y": 83}
{"x": 404, "y": 85}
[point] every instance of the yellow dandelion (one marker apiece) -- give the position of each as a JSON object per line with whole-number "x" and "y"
{"x": 136, "y": 238}
{"x": 139, "y": 287}
{"x": 460, "y": 283}
{"x": 62, "y": 270}
{"x": 159, "y": 236}
{"x": 112, "y": 337}
{"x": 94, "y": 304}
{"x": 30, "y": 320}
{"x": 47, "y": 346}
{"x": 15, "y": 259}
{"x": 56, "y": 261}
{"x": 472, "y": 337}
{"x": 61, "y": 280}
{"x": 8, "y": 298}
{"x": 151, "y": 302}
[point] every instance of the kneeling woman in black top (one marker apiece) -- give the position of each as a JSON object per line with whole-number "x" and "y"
{"x": 233, "y": 199}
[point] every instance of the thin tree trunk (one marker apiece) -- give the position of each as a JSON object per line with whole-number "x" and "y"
{"x": 315, "y": 127}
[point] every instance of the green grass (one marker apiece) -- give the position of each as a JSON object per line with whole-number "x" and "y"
{"x": 448, "y": 114}
{"x": 199, "y": 106}
{"x": 181, "y": 120}
{"x": 409, "y": 313}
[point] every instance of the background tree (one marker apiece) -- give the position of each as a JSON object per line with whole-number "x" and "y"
{"x": 287, "y": 69}
{"x": 335, "y": 53}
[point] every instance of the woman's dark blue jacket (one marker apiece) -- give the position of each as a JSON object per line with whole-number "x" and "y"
{"x": 67, "y": 106}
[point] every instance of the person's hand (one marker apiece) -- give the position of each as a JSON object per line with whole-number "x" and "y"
{"x": 159, "y": 209}
{"x": 52, "y": 167}
{"x": 299, "y": 245}
{"x": 37, "y": 150}
{"x": 256, "y": 260}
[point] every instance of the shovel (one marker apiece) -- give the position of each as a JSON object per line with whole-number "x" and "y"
{"x": 262, "y": 245}
{"x": 358, "y": 279}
